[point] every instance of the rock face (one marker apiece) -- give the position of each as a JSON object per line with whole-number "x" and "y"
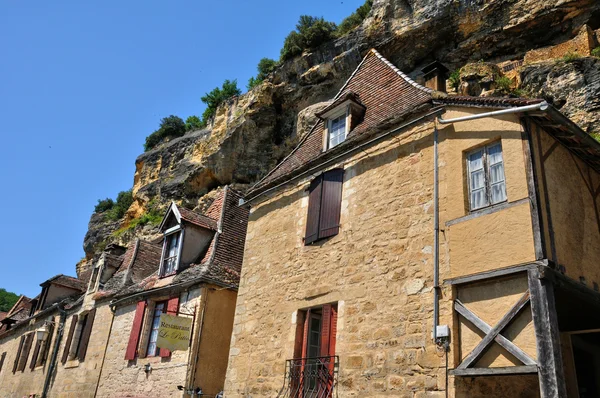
{"x": 252, "y": 132}
{"x": 572, "y": 87}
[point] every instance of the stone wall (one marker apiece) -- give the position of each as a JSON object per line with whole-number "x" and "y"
{"x": 582, "y": 45}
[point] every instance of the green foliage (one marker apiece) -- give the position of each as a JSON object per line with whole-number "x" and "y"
{"x": 104, "y": 205}
{"x": 503, "y": 83}
{"x": 265, "y": 67}
{"x": 570, "y": 57}
{"x": 170, "y": 126}
{"x": 194, "y": 123}
{"x": 596, "y": 52}
{"x": 310, "y": 32}
{"x": 153, "y": 216}
{"x": 354, "y": 19}
{"x": 455, "y": 79}
{"x": 596, "y": 136}
{"x": 217, "y": 96}
{"x": 7, "y": 300}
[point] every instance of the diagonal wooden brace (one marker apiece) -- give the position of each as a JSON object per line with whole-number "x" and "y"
{"x": 479, "y": 350}
{"x": 501, "y": 340}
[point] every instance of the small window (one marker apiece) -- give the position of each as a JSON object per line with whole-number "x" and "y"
{"x": 171, "y": 255}
{"x": 487, "y": 185}
{"x": 324, "y": 205}
{"x": 153, "y": 350}
{"x": 337, "y": 130}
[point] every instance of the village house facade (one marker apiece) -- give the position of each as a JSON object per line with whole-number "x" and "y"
{"x": 97, "y": 336}
{"x": 398, "y": 251}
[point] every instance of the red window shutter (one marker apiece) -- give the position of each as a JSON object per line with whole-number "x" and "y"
{"x": 333, "y": 331}
{"x": 2, "y": 360}
{"x": 25, "y": 352}
{"x": 305, "y": 335}
{"x": 325, "y": 330}
{"x": 48, "y": 343}
{"x": 331, "y": 203}
{"x": 172, "y": 309}
{"x": 136, "y": 329}
{"x": 16, "y": 364}
{"x": 36, "y": 352}
{"x": 85, "y": 334}
{"x": 65, "y": 355}
{"x": 314, "y": 211}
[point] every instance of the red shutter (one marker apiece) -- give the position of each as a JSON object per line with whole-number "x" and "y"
{"x": 172, "y": 309}
{"x": 18, "y": 354}
{"x": 2, "y": 360}
{"x": 331, "y": 203}
{"x": 65, "y": 355}
{"x": 333, "y": 331}
{"x": 314, "y": 211}
{"x": 325, "y": 330}
{"x": 136, "y": 329}
{"x": 305, "y": 334}
{"x": 47, "y": 343}
{"x": 85, "y": 334}
{"x": 25, "y": 352}
{"x": 36, "y": 352}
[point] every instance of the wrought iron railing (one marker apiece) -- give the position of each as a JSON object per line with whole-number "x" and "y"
{"x": 310, "y": 378}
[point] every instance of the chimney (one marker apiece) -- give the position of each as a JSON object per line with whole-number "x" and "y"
{"x": 435, "y": 76}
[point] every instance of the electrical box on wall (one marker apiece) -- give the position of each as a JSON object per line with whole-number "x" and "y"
{"x": 442, "y": 331}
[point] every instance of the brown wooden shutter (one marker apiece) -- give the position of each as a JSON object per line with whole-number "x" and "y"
{"x": 325, "y": 330}
{"x": 47, "y": 344}
{"x": 85, "y": 335}
{"x": 333, "y": 331}
{"x": 314, "y": 211}
{"x": 65, "y": 355}
{"x": 16, "y": 364}
{"x": 136, "y": 329}
{"x": 25, "y": 352}
{"x": 331, "y": 203}
{"x": 172, "y": 309}
{"x": 305, "y": 334}
{"x": 2, "y": 357}
{"x": 36, "y": 352}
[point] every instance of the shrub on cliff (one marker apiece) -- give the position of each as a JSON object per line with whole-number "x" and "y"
{"x": 104, "y": 205}
{"x": 354, "y": 19}
{"x": 264, "y": 67}
{"x": 194, "y": 123}
{"x": 170, "y": 127}
{"x": 310, "y": 32}
{"x": 217, "y": 96}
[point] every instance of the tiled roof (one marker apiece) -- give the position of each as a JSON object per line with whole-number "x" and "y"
{"x": 495, "y": 102}
{"x": 67, "y": 281}
{"x": 146, "y": 261}
{"x": 197, "y": 219}
{"x": 2, "y": 315}
{"x": 22, "y": 302}
{"x": 386, "y": 93}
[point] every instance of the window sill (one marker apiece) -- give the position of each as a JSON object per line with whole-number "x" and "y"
{"x": 71, "y": 363}
{"x": 487, "y": 210}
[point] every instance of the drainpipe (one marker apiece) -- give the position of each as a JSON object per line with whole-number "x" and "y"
{"x": 542, "y": 106}
{"x": 59, "y": 335}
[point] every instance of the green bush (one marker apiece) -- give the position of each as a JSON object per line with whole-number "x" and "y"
{"x": 194, "y": 123}
{"x": 503, "y": 83}
{"x": 596, "y": 52}
{"x": 310, "y": 32}
{"x": 596, "y": 136}
{"x": 265, "y": 67}
{"x": 104, "y": 205}
{"x": 153, "y": 216}
{"x": 455, "y": 79}
{"x": 217, "y": 96}
{"x": 354, "y": 19}
{"x": 570, "y": 57}
{"x": 7, "y": 300}
{"x": 124, "y": 200}
{"x": 170, "y": 126}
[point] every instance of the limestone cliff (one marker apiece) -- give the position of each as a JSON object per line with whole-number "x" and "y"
{"x": 250, "y": 133}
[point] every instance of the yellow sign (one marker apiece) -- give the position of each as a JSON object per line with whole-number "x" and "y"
{"x": 174, "y": 332}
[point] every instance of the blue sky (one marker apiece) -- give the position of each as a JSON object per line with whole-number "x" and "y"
{"x": 81, "y": 86}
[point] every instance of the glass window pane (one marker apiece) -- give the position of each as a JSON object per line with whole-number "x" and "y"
{"x": 476, "y": 161}
{"x": 497, "y": 173}
{"x": 337, "y": 131}
{"x": 477, "y": 180}
{"x": 498, "y": 192}
{"x": 478, "y": 199}
{"x": 495, "y": 153}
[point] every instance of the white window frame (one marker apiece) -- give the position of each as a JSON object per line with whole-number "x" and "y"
{"x": 168, "y": 234}
{"x": 342, "y": 112}
{"x": 486, "y": 173}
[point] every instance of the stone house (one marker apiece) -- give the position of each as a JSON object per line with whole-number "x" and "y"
{"x": 416, "y": 244}
{"x": 98, "y": 331}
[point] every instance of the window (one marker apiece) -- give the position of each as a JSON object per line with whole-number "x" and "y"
{"x": 79, "y": 336}
{"x": 158, "y": 310}
{"x": 337, "y": 130}
{"x": 171, "y": 254}
{"x": 487, "y": 185}
{"x": 23, "y": 352}
{"x": 40, "y": 355}
{"x": 324, "y": 205}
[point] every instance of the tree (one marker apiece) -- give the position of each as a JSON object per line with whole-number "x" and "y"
{"x": 193, "y": 123}
{"x": 104, "y": 205}
{"x": 265, "y": 67}
{"x": 354, "y": 19}
{"x": 217, "y": 96}
{"x": 310, "y": 32}
{"x": 169, "y": 127}
{"x": 7, "y": 300}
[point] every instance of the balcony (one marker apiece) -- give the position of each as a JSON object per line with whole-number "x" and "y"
{"x": 310, "y": 378}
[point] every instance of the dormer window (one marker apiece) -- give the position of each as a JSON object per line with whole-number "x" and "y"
{"x": 340, "y": 118}
{"x": 171, "y": 257}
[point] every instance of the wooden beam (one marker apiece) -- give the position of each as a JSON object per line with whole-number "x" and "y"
{"x": 545, "y": 321}
{"x": 460, "y": 280}
{"x": 511, "y": 370}
{"x": 480, "y": 349}
{"x": 485, "y": 328}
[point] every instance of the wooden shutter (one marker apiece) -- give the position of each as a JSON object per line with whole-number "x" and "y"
{"x": 314, "y": 211}
{"x": 16, "y": 364}
{"x": 65, "y": 355}
{"x": 325, "y": 330}
{"x": 331, "y": 203}
{"x": 36, "y": 352}
{"x": 333, "y": 331}
{"x": 25, "y": 352}
{"x": 172, "y": 309}
{"x": 85, "y": 334}
{"x": 136, "y": 329}
{"x": 305, "y": 334}
{"x": 2, "y": 360}
{"x": 47, "y": 344}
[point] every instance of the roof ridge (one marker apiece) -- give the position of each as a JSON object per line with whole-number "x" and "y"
{"x": 400, "y": 73}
